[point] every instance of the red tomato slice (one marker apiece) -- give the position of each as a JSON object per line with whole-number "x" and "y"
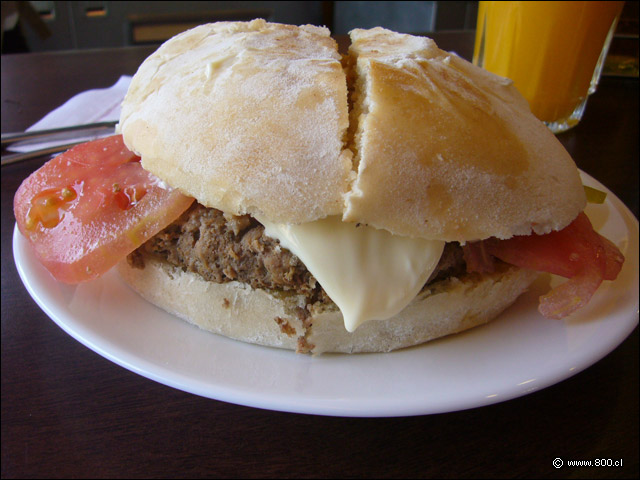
{"x": 86, "y": 209}
{"x": 572, "y": 295}
{"x": 577, "y": 252}
{"x": 566, "y": 252}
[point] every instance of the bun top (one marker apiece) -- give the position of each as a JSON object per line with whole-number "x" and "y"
{"x": 449, "y": 151}
{"x": 253, "y": 118}
{"x": 246, "y": 118}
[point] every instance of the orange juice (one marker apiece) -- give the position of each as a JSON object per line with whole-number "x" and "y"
{"x": 549, "y": 49}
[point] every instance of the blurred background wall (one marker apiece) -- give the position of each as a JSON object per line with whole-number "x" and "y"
{"x": 64, "y": 25}
{"x": 38, "y": 26}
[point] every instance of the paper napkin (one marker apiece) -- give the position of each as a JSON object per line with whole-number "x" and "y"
{"x": 91, "y": 106}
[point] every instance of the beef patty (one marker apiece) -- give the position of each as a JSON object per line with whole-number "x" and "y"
{"x": 224, "y": 248}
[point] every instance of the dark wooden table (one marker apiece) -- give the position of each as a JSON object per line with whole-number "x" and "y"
{"x": 68, "y": 412}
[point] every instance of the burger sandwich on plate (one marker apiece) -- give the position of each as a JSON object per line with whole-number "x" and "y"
{"x": 266, "y": 189}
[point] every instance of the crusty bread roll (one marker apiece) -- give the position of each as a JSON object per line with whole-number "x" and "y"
{"x": 255, "y": 118}
{"x": 449, "y": 151}
{"x": 245, "y": 117}
{"x": 237, "y": 311}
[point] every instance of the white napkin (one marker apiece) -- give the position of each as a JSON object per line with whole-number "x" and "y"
{"x": 91, "y": 106}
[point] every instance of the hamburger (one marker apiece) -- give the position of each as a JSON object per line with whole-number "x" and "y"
{"x": 329, "y": 204}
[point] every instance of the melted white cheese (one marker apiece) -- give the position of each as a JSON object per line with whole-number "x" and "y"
{"x": 370, "y": 274}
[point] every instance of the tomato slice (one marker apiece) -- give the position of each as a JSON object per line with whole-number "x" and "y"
{"x": 86, "y": 209}
{"x": 577, "y": 252}
{"x": 566, "y": 252}
{"x": 572, "y": 295}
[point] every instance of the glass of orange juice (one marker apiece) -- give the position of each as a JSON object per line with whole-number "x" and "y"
{"x": 553, "y": 51}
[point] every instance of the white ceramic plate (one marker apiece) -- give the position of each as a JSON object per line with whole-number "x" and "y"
{"x": 518, "y": 353}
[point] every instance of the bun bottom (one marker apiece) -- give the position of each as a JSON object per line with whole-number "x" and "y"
{"x": 240, "y": 312}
